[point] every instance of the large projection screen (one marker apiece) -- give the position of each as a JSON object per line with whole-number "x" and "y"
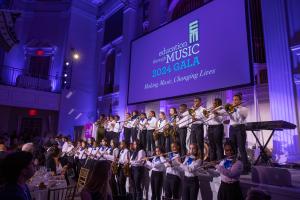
{"x": 205, "y": 50}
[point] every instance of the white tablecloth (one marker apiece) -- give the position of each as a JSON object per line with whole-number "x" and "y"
{"x": 49, "y": 181}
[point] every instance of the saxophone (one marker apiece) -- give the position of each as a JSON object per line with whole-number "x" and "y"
{"x": 126, "y": 169}
{"x": 167, "y": 130}
{"x": 115, "y": 167}
{"x": 155, "y": 135}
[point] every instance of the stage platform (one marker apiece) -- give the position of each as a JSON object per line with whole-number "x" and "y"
{"x": 209, "y": 185}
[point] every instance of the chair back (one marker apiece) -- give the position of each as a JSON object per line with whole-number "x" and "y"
{"x": 66, "y": 193}
{"x": 83, "y": 175}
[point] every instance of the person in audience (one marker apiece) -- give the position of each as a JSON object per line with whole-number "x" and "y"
{"x": 230, "y": 170}
{"x": 28, "y": 147}
{"x": 3, "y": 154}
{"x": 17, "y": 169}
{"x": 53, "y": 163}
{"x": 256, "y": 194}
{"x": 97, "y": 186}
{"x": 2, "y": 151}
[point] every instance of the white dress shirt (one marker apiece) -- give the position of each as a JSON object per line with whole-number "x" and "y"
{"x": 112, "y": 154}
{"x": 117, "y": 127}
{"x": 157, "y": 164}
{"x": 239, "y": 116}
{"x": 191, "y": 166}
{"x": 109, "y": 126}
{"x": 93, "y": 151}
{"x": 82, "y": 153}
{"x": 161, "y": 124}
{"x": 183, "y": 119}
{"x": 173, "y": 167}
{"x": 127, "y": 124}
{"x": 217, "y": 119}
{"x": 101, "y": 152}
{"x": 124, "y": 156}
{"x": 139, "y": 159}
{"x": 134, "y": 122}
{"x": 65, "y": 147}
{"x": 151, "y": 123}
{"x": 142, "y": 124}
{"x": 230, "y": 172}
{"x": 199, "y": 115}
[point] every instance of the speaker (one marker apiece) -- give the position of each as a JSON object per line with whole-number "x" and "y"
{"x": 271, "y": 176}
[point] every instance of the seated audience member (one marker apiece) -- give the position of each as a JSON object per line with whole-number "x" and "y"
{"x": 17, "y": 169}
{"x": 2, "y": 151}
{"x": 28, "y": 147}
{"x": 97, "y": 186}
{"x": 53, "y": 163}
{"x": 256, "y": 194}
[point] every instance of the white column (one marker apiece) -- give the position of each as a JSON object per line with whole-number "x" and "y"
{"x": 281, "y": 89}
{"x": 129, "y": 33}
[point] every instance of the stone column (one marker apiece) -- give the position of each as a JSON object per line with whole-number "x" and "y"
{"x": 281, "y": 88}
{"x": 129, "y": 33}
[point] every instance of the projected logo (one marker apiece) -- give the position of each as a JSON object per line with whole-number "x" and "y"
{"x": 180, "y": 56}
{"x": 193, "y": 31}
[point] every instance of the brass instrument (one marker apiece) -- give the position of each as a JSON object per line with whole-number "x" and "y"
{"x": 230, "y": 108}
{"x": 115, "y": 167}
{"x": 192, "y": 112}
{"x": 126, "y": 169}
{"x": 167, "y": 130}
{"x": 156, "y": 135}
{"x": 206, "y": 113}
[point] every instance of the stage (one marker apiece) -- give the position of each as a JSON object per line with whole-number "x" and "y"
{"x": 209, "y": 186}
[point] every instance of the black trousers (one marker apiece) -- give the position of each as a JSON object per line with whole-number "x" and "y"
{"x": 182, "y": 139}
{"x": 190, "y": 188}
{"x": 161, "y": 140}
{"x": 168, "y": 144}
{"x": 143, "y": 138}
{"x": 150, "y": 140}
{"x": 156, "y": 184}
{"x": 113, "y": 185}
{"x": 197, "y": 137}
{"x": 116, "y": 137}
{"x": 137, "y": 174}
{"x": 215, "y": 137}
{"x": 238, "y": 137}
{"x": 121, "y": 181}
{"x": 172, "y": 186}
{"x": 109, "y": 135}
{"x": 230, "y": 191}
{"x": 127, "y": 135}
{"x": 134, "y": 134}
